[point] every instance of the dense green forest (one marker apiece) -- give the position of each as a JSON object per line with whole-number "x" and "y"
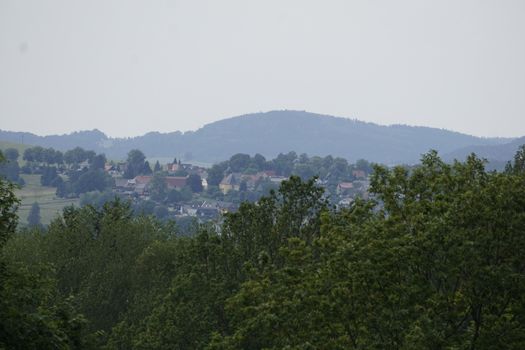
{"x": 434, "y": 260}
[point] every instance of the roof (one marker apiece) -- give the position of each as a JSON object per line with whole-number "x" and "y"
{"x": 359, "y": 173}
{"x": 121, "y": 182}
{"x": 176, "y": 181}
{"x": 346, "y": 185}
{"x": 143, "y": 179}
{"x": 231, "y": 179}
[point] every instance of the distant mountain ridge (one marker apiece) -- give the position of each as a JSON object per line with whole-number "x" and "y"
{"x": 275, "y": 132}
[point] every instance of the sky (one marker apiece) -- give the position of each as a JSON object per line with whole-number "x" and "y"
{"x": 127, "y": 67}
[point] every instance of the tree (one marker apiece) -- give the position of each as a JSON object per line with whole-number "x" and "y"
{"x": 11, "y": 154}
{"x": 10, "y": 168}
{"x": 8, "y": 206}
{"x": 135, "y": 163}
{"x": 195, "y": 183}
{"x": 215, "y": 174}
{"x": 157, "y": 167}
{"x": 51, "y": 156}
{"x": 92, "y": 180}
{"x": 186, "y": 194}
{"x": 147, "y": 169}
{"x": 34, "y": 154}
{"x": 174, "y": 196}
{"x": 259, "y": 162}
{"x": 433, "y": 266}
{"x": 76, "y": 156}
{"x": 239, "y": 162}
{"x": 519, "y": 162}
{"x": 363, "y": 165}
{"x": 32, "y": 314}
{"x": 158, "y": 188}
{"x": 284, "y": 163}
{"x": 161, "y": 212}
{"x": 33, "y": 219}
{"x": 98, "y": 162}
{"x": 49, "y": 176}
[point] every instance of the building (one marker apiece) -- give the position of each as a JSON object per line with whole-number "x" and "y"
{"x": 230, "y": 182}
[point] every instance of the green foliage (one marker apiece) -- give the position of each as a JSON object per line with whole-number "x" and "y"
{"x": 32, "y": 314}
{"x": 174, "y": 196}
{"x": 33, "y": 219}
{"x": 147, "y": 169}
{"x": 11, "y": 171}
{"x": 49, "y": 176}
{"x": 158, "y": 188}
{"x": 92, "y": 180}
{"x": 11, "y": 154}
{"x": 98, "y": 199}
{"x": 239, "y": 162}
{"x": 135, "y": 164}
{"x": 77, "y": 156}
{"x": 8, "y": 205}
{"x": 435, "y": 261}
{"x": 157, "y": 167}
{"x": 186, "y": 194}
{"x": 98, "y": 162}
{"x": 195, "y": 183}
{"x": 215, "y": 174}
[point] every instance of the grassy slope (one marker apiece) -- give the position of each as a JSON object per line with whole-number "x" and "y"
{"x": 50, "y": 205}
{"x": 20, "y": 147}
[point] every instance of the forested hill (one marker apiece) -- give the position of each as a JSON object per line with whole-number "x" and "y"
{"x": 272, "y": 133}
{"x": 493, "y": 153}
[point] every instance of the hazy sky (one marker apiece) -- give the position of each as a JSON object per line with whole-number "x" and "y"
{"x": 128, "y": 67}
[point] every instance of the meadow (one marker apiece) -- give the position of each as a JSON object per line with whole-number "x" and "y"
{"x": 50, "y": 204}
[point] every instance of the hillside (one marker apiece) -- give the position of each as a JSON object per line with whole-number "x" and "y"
{"x": 272, "y": 133}
{"x": 497, "y": 155}
{"x": 18, "y": 146}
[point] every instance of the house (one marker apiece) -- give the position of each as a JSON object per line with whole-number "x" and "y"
{"x": 190, "y": 210}
{"x": 227, "y": 207}
{"x": 278, "y": 179}
{"x": 172, "y": 167}
{"x": 84, "y": 165}
{"x": 207, "y": 212}
{"x": 122, "y": 185}
{"x": 359, "y": 174}
{"x": 230, "y": 182}
{"x": 140, "y": 189}
{"x": 143, "y": 179}
{"x": 176, "y": 182}
{"x": 343, "y": 187}
{"x": 345, "y": 202}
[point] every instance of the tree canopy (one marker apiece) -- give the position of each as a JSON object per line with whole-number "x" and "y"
{"x": 435, "y": 259}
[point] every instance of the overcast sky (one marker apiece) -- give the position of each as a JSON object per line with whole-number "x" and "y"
{"x": 128, "y": 67}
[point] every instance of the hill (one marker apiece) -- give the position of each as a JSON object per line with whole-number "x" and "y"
{"x": 497, "y": 155}
{"x": 271, "y": 133}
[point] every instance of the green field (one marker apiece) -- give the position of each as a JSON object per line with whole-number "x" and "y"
{"x": 50, "y": 205}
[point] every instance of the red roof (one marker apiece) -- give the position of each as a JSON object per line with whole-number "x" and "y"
{"x": 346, "y": 185}
{"x": 176, "y": 181}
{"x": 143, "y": 179}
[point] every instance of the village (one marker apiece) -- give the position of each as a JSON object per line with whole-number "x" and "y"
{"x": 207, "y": 201}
